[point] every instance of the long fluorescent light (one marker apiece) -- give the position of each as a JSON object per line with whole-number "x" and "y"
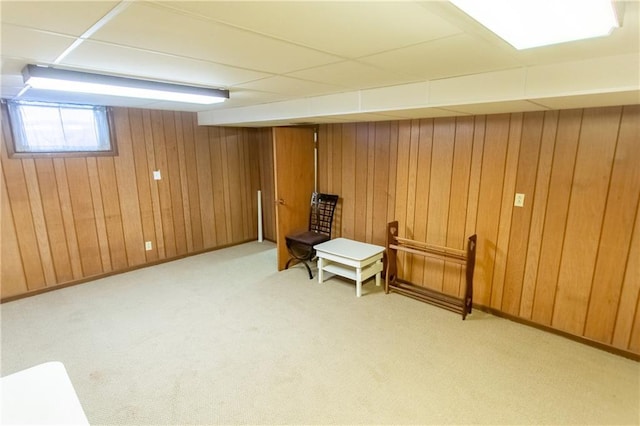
{"x": 83, "y": 82}
{"x": 531, "y": 23}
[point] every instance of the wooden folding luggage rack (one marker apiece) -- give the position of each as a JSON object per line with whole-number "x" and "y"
{"x": 394, "y": 244}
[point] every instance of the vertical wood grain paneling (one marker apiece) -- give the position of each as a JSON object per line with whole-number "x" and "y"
{"x": 205, "y": 187}
{"x": 33, "y": 189}
{"x": 561, "y": 181}
{"x": 538, "y": 215}
{"x": 134, "y": 200}
{"x": 66, "y": 219}
{"x": 584, "y": 222}
{"x": 101, "y": 227}
{"x": 112, "y": 215}
{"x": 496, "y": 137}
{"x": 458, "y": 198}
{"x": 11, "y": 269}
{"x": 155, "y": 193}
{"x": 174, "y": 183}
{"x": 627, "y": 328}
{"x": 222, "y": 209}
{"x": 164, "y": 185}
{"x": 191, "y": 165}
{"x": 336, "y": 178}
{"x": 613, "y": 250}
{"x": 361, "y": 168}
{"x": 143, "y": 185}
{"x": 51, "y": 205}
{"x": 568, "y": 259}
{"x": 521, "y": 217}
{"x": 348, "y": 185}
{"x": 184, "y": 183}
{"x": 267, "y": 183}
{"x": 23, "y": 220}
{"x": 84, "y": 216}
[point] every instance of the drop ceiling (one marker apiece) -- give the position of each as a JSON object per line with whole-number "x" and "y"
{"x": 318, "y": 62}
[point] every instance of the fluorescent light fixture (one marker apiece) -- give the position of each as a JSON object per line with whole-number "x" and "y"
{"x": 531, "y": 23}
{"x": 83, "y": 82}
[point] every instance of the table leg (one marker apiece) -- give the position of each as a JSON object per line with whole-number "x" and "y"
{"x": 358, "y": 282}
{"x": 378, "y": 275}
{"x": 320, "y": 270}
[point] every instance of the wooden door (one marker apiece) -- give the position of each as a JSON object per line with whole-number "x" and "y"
{"x": 293, "y": 164}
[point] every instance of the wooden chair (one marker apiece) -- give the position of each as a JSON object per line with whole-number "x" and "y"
{"x": 300, "y": 245}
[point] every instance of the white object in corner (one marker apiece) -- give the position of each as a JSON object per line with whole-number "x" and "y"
{"x": 40, "y": 395}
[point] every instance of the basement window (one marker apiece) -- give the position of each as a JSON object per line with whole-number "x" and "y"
{"x": 48, "y": 129}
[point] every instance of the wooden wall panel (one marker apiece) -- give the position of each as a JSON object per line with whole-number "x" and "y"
{"x": 613, "y": 250}
{"x": 347, "y": 213}
{"x": 67, "y": 219}
{"x": 540, "y": 197}
{"x": 444, "y": 132}
{"x": 561, "y": 181}
{"x": 520, "y": 224}
{"x": 506, "y": 212}
{"x": 596, "y": 149}
{"x": 266, "y": 184}
{"x": 54, "y": 220}
{"x": 496, "y": 138}
{"x": 11, "y": 270}
{"x": 568, "y": 259}
{"x": 458, "y": 199}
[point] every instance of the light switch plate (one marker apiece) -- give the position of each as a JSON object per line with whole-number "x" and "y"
{"x": 519, "y": 201}
{"x": 156, "y": 175}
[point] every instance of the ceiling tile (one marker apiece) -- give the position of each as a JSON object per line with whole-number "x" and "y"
{"x": 32, "y": 45}
{"x": 145, "y": 64}
{"x": 448, "y": 57}
{"x": 353, "y": 75}
{"x": 69, "y": 17}
{"x": 349, "y": 29}
{"x": 162, "y": 30}
{"x": 290, "y": 86}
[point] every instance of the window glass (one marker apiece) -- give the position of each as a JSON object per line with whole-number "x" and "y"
{"x": 42, "y": 127}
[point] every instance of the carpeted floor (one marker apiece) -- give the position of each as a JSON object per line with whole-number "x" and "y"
{"x": 223, "y": 338}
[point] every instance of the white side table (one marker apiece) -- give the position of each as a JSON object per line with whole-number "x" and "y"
{"x": 350, "y": 259}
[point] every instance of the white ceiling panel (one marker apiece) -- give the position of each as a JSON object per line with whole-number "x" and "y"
{"x": 147, "y": 27}
{"x": 290, "y": 86}
{"x": 448, "y": 57}
{"x": 292, "y": 61}
{"x": 69, "y": 17}
{"x": 353, "y": 75}
{"x": 34, "y": 45}
{"x": 349, "y": 29}
{"x": 92, "y": 55}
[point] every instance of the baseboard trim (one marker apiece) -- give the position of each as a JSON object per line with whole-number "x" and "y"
{"x": 120, "y": 271}
{"x": 584, "y": 340}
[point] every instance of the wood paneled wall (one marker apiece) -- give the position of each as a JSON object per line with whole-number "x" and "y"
{"x": 264, "y": 139}
{"x": 66, "y": 219}
{"x": 569, "y": 259}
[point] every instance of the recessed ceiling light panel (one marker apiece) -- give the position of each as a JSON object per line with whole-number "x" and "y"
{"x": 532, "y": 23}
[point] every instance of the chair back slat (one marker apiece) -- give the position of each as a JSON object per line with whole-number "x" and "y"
{"x": 321, "y": 216}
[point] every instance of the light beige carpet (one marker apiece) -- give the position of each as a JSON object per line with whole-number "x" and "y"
{"x": 223, "y": 338}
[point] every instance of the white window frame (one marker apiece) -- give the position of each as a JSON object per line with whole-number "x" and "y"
{"x": 98, "y": 124}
